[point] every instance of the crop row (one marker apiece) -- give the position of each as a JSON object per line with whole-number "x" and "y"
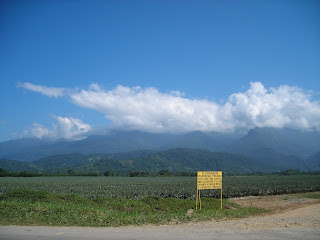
{"x": 178, "y": 187}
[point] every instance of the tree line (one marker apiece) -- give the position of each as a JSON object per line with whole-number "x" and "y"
{"x": 70, "y": 172}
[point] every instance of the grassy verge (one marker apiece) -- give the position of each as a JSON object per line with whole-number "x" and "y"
{"x": 314, "y": 195}
{"x": 26, "y": 207}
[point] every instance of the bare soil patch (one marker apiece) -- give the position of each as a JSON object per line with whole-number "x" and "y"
{"x": 290, "y": 210}
{"x": 278, "y": 203}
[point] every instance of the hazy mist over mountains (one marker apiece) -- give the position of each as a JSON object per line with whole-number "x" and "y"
{"x": 269, "y": 149}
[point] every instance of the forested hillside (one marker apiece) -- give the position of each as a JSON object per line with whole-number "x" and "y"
{"x": 173, "y": 160}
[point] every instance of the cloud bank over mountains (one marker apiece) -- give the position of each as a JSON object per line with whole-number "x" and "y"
{"x": 147, "y": 109}
{"x": 68, "y": 128}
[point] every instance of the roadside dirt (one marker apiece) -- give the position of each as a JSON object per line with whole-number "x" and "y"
{"x": 285, "y": 211}
{"x": 278, "y": 203}
{"x": 291, "y": 210}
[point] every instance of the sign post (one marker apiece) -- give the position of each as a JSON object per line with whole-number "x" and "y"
{"x": 208, "y": 180}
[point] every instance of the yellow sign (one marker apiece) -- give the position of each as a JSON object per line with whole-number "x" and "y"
{"x": 208, "y": 180}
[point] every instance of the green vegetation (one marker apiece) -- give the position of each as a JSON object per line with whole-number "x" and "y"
{"x": 17, "y": 166}
{"x": 118, "y": 201}
{"x": 182, "y": 159}
{"x": 66, "y": 161}
{"x": 310, "y": 195}
{"x": 5, "y": 173}
{"x": 26, "y": 207}
{"x": 291, "y": 172}
{"x": 164, "y": 186}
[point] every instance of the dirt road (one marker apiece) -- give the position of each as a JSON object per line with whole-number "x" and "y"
{"x": 291, "y": 217}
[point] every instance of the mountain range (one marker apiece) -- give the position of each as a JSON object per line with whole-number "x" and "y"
{"x": 30, "y": 149}
{"x": 261, "y": 149}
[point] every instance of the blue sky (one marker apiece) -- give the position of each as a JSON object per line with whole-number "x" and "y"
{"x": 157, "y": 66}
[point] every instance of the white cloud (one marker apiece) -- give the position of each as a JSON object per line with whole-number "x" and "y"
{"x": 71, "y": 128}
{"x": 283, "y": 107}
{"x": 68, "y": 128}
{"x": 150, "y": 110}
{"x": 147, "y": 109}
{"x": 48, "y": 91}
{"x": 39, "y": 131}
